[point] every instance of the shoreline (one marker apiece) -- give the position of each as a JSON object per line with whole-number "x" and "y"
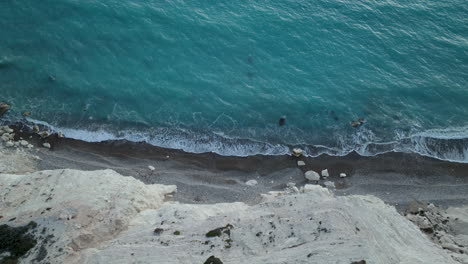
{"x": 118, "y": 201}
{"x": 396, "y": 178}
{"x": 428, "y": 143}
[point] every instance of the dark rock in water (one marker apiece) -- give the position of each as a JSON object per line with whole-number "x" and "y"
{"x": 213, "y": 260}
{"x": 358, "y": 122}
{"x": 51, "y": 78}
{"x": 4, "y": 107}
{"x": 17, "y": 241}
{"x": 282, "y": 121}
{"x": 359, "y": 262}
{"x": 26, "y": 114}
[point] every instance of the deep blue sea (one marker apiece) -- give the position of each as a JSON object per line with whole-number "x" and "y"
{"x": 216, "y": 76}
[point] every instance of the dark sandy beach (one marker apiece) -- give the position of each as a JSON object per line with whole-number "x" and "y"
{"x": 397, "y": 178}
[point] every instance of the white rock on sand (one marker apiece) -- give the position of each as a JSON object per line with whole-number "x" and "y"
{"x": 342, "y": 175}
{"x": 251, "y": 182}
{"x": 46, "y": 145}
{"x": 297, "y": 152}
{"x": 325, "y": 173}
{"x": 300, "y": 163}
{"x": 151, "y": 168}
{"x": 312, "y": 175}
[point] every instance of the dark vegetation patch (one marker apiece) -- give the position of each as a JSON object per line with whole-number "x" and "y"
{"x": 17, "y": 241}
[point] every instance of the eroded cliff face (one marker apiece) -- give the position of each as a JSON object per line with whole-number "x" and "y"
{"x": 104, "y": 217}
{"x": 74, "y": 210}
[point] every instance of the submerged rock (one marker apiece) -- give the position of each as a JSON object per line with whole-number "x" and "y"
{"x": 4, "y": 107}
{"x": 282, "y": 121}
{"x": 312, "y": 175}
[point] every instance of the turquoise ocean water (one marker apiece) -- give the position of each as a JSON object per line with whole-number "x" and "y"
{"x": 217, "y": 75}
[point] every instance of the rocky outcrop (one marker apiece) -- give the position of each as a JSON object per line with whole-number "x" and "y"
{"x": 448, "y": 228}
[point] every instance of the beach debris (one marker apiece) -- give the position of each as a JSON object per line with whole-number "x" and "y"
{"x": 325, "y": 173}
{"x": 282, "y": 121}
{"x": 167, "y": 157}
{"x": 25, "y": 114}
{"x": 251, "y": 183}
{"x": 151, "y": 168}
{"x": 358, "y": 122}
{"x": 312, "y": 176}
{"x": 46, "y": 145}
{"x": 4, "y": 107}
{"x": 300, "y": 163}
{"x": 342, "y": 175}
{"x": 213, "y": 260}
{"x": 329, "y": 184}
{"x": 297, "y": 152}
{"x": 176, "y": 233}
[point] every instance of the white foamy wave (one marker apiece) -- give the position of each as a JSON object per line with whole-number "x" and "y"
{"x": 450, "y": 144}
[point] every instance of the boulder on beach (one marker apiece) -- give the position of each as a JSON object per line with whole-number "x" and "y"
{"x": 312, "y": 175}
{"x": 251, "y": 182}
{"x": 325, "y": 173}
{"x": 297, "y": 152}
{"x": 4, "y": 107}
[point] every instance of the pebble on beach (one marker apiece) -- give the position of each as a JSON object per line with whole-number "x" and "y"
{"x": 312, "y": 176}
{"x": 251, "y": 182}
{"x": 46, "y": 145}
{"x": 151, "y": 168}
{"x": 300, "y": 163}
{"x": 342, "y": 175}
